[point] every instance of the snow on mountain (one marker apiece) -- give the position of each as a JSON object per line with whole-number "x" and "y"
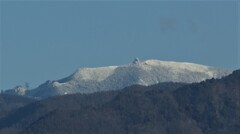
{"x": 18, "y": 90}
{"x": 149, "y": 72}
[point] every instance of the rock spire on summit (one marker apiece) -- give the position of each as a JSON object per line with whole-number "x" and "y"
{"x": 136, "y": 61}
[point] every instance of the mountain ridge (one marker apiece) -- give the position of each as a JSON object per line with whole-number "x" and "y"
{"x": 208, "y": 107}
{"x": 148, "y": 72}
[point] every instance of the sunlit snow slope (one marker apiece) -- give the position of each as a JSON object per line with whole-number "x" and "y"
{"x": 149, "y": 72}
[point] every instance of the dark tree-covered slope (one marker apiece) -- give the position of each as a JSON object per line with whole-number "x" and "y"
{"x": 12, "y": 102}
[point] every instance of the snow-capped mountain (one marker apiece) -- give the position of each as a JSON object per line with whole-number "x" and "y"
{"x": 149, "y": 72}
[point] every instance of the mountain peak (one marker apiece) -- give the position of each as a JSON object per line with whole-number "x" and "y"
{"x": 18, "y": 90}
{"x": 148, "y": 72}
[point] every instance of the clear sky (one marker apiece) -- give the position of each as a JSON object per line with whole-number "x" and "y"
{"x": 49, "y": 40}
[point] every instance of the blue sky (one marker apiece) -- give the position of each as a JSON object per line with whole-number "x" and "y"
{"x": 49, "y": 40}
